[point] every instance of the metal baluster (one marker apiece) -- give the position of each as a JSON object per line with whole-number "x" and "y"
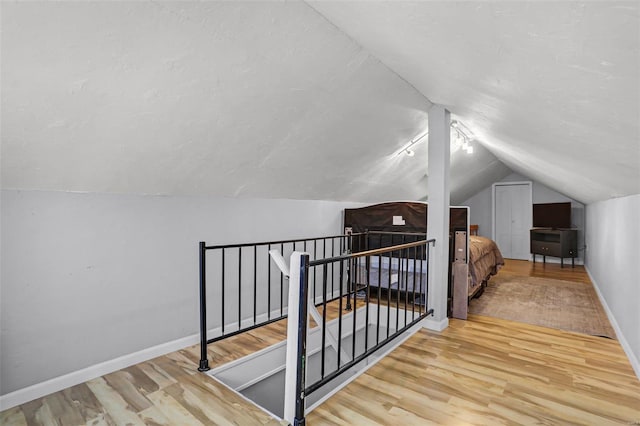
{"x": 282, "y": 284}
{"x": 379, "y": 301}
{"x": 255, "y": 283}
{"x": 366, "y": 318}
{"x": 423, "y": 301}
{"x": 204, "y": 361}
{"x": 389, "y": 270}
{"x": 315, "y": 256}
{"x": 405, "y": 257}
{"x": 340, "y": 312}
{"x": 324, "y": 316}
{"x": 239, "y": 288}
{"x": 413, "y": 288}
{"x": 355, "y": 309}
{"x": 398, "y": 292}
{"x": 324, "y": 256}
{"x": 269, "y": 283}
{"x": 333, "y": 273}
{"x": 223, "y": 286}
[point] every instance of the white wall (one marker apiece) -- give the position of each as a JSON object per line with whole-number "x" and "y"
{"x": 613, "y": 232}
{"x": 87, "y": 278}
{"x": 480, "y": 209}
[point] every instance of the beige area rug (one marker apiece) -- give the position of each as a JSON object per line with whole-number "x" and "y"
{"x": 546, "y": 302}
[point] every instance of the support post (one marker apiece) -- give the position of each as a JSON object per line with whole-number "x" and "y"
{"x": 294, "y": 398}
{"x": 204, "y": 362}
{"x": 438, "y": 221}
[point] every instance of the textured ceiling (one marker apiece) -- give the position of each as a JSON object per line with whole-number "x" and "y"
{"x": 233, "y": 99}
{"x": 551, "y": 88}
{"x": 288, "y": 100}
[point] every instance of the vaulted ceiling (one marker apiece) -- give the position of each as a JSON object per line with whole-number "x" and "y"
{"x": 314, "y": 100}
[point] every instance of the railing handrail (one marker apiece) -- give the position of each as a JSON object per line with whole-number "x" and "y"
{"x": 264, "y": 243}
{"x": 299, "y": 240}
{"x": 393, "y": 233}
{"x": 372, "y": 252}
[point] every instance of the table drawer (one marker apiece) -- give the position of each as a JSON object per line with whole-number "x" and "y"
{"x": 546, "y": 248}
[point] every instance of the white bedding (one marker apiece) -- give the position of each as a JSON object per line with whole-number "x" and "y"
{"x": 396, "y": 274}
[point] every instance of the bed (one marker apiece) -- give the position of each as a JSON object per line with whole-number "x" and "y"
{"x": 404, "y": 274}
{"x": 485, "y": 260}
{"x": 472, "y": 259}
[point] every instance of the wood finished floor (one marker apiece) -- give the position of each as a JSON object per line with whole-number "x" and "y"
{"x": 481, "y": 371}
{"x": 491, "y": 371}
{"x": 546, "y": 270}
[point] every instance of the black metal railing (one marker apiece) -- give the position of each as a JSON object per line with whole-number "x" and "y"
{"x": 400, "y": 279}
{"x": 248, "y": 290}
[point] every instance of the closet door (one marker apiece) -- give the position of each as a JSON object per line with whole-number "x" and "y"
{"x": 512, "y": 219}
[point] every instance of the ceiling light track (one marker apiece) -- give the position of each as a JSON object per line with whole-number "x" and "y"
{"x": 465, "y": 134}
{"x": 407, "y": 148}
{"x": 461, "y": 132}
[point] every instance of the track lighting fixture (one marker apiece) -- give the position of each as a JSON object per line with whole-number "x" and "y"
{"x": 407, "y": 148}
{"x": 465, "y": 134}
{"x": 463, "y": 137}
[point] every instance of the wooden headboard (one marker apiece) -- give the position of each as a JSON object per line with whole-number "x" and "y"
{"x": 401, "y": 217}
{"x": 389, "y": 217}
{"x": 410, "y": 216}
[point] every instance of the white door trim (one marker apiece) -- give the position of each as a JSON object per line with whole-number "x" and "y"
{"x": 493, "y": 201}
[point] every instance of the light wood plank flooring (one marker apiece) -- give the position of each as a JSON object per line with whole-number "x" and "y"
{"x": 481, "y": 371}
{"x": 167, "y": 390}
{"x": 546, "y": 270}
{"x": 492, "y": 371}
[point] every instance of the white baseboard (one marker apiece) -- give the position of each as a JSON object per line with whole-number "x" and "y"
{"x": 59, "y": 383}
{"x": 89, "y": 373}
{"x": 434, "y": 325}
{"x": 633, "y": 359}
{"x": 80, "y": 376}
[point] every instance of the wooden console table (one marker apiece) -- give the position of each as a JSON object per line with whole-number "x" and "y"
{"x": 554, "y": 242}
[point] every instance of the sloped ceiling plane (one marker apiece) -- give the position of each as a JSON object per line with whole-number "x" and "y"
{"x": 315, "y": 100}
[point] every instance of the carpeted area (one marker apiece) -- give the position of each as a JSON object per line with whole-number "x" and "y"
{"x": 565, "y": 305}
